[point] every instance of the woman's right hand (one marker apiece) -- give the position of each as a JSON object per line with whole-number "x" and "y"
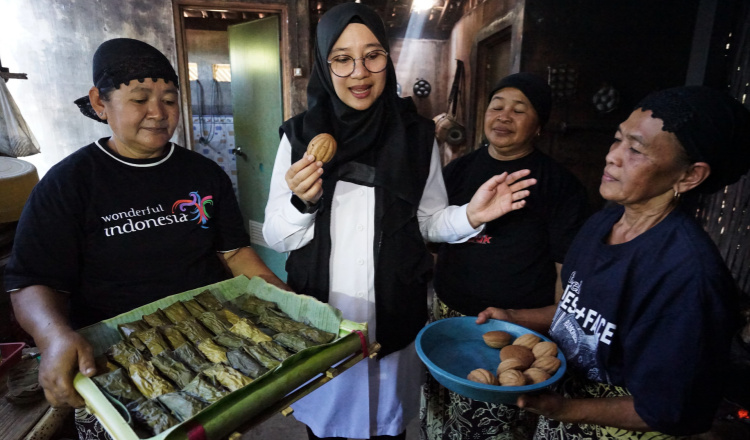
{"x": 303, "y": 178}
{"x": 493, "y": 313}
{"x": 63, "y": 354}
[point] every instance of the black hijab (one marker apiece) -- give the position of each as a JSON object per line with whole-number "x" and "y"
{"x": 372, "y": 143}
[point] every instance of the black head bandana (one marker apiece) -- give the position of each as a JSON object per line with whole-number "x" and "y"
{"x": 712, "y": 127}
{"x": 536, "y": 89}
{"x": 372, "y": 142}
{"x": 121, "y": 60}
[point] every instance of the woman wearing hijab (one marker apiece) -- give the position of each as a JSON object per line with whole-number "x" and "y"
{"x": 515, "y": 262}
{"x": 122, "y": 222}
{"x": 649, "y": 307}
{"x": 355, "y": 228}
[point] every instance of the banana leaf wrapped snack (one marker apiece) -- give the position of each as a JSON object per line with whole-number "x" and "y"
{"x": 193, "y": 307}
{"x": 153, "y": 340}
{"x": 228, "y": 377}
{"x": 253, "y": 305}
{"x": 231, "y": 340}
{"x": 203, "y": 390}
{"x": 215, "y": 322}
{"x": 241, "y": 361}
{"x": 128, "y": 328}
{"x": 173, "y": 335}
{"x": 156, "y": 319}
{"x": 150, "y": 414}
{"x": 262, "y": 357}
{"x": 293, "y": 341}
{"x": 279, "y": 324}
{"x": 193, "y": 330}
{"x": 213, "y": 352}
{"x": 148, "y": 382}
{"x": 182, "y": 405}
{"x": 124, "y": 354}
{"x": 208, "y": 300}
{"x": 247, "y": 329}
{"x": 173, "y": 369}
{"x": 190, "y": 356}
{"x": 117, "y": 384}
{"x": 275, "y": 350}
{"x": 177, "y": 312}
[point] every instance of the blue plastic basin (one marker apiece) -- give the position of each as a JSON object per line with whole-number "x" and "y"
{"x": 451, "y": 348}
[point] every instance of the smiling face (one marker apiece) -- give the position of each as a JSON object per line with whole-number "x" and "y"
{"x": 362, "y": 88}
{"x": 142, "y": 116}
{"x": 644, "y": 163}
{"x": 510, "y": 124}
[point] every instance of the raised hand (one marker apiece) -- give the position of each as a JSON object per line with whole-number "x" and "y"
{"x": 498, "y": 196}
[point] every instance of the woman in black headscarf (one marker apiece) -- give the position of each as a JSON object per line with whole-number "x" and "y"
{"x": 649, "y": 307}
{"x": 356, "y": 226}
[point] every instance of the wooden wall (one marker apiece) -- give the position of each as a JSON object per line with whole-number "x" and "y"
{"x": 636, "y": 46}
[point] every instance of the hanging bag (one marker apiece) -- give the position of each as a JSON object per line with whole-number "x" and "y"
{"x": 16, "y": 140}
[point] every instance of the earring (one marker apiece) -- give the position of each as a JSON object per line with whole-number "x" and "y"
{"x": 101, "y": 114}
{"x": 676, "y": 194}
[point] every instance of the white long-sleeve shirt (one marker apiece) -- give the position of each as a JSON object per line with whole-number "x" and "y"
{"x": 374, "y": 397}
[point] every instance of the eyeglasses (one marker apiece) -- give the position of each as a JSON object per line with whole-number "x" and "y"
{"x": 344, "y": 65}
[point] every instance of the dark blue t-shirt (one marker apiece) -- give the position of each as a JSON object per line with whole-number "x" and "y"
{"x": 118, "y": 233}
{"x": 655, "y": 315}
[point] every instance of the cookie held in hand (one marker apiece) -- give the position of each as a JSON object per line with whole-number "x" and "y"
{"x": 323, "y": 147}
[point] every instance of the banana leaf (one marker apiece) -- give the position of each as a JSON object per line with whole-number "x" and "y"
{"x": 156, "y": 319}
{"x": 226, "y": 376}
{"x": 190, "y": 356}
{"x": 214, "y": 353}
{"x": 148, "y": 381}
{"x": 173, "y": 369}
{"x": 293, "y": 341}
{"x": 176, "y": 312}
{"x": 124, "y": 354}
{"x": 117, "y": 384}
{"x": 253, "y": 305}
{"x": 193, "y": 330}
{"x": 247, "y": 329}
{"x": 128, "y": 328}
{"x": 193, "y": 307}
{"x": 153, "y": 340}
{"x": 241, "y": 361}
{"x": 182, "y": 405}
{"x": 231, "y": 340}
{"x": 173, "y": 335}
{"x": 262, "y": 356}
{"x": 152, "y": 416}
{"x": 201, "y": 389}
{"x": 214, "y": 322}
{"x": 208, "y": 300}
{"x": 275, "y": 350}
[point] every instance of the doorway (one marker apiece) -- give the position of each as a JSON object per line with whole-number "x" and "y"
{"x": 220, "y": 101}
{"x": 493, "y": 64}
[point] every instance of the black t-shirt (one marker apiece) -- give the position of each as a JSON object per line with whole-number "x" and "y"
{"x": 511, "y": 263}
{"x": 117, "y": 233}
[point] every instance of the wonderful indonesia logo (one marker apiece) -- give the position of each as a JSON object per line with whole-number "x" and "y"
{"x": 134, "y": 220}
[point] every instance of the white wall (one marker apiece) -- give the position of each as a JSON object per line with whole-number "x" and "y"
{"x": 53, "y": 41}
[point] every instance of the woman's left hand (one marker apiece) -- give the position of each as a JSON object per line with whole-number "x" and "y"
{"x": 498, "y": 196}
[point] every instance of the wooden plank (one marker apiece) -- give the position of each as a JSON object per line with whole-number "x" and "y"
{"x": 17, "y": 420}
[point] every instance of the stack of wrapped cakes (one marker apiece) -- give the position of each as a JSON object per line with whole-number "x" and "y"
{"x": 174, "y": 362}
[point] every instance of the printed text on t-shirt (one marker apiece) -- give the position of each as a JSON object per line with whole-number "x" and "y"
{"x": 590, "y": 319}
